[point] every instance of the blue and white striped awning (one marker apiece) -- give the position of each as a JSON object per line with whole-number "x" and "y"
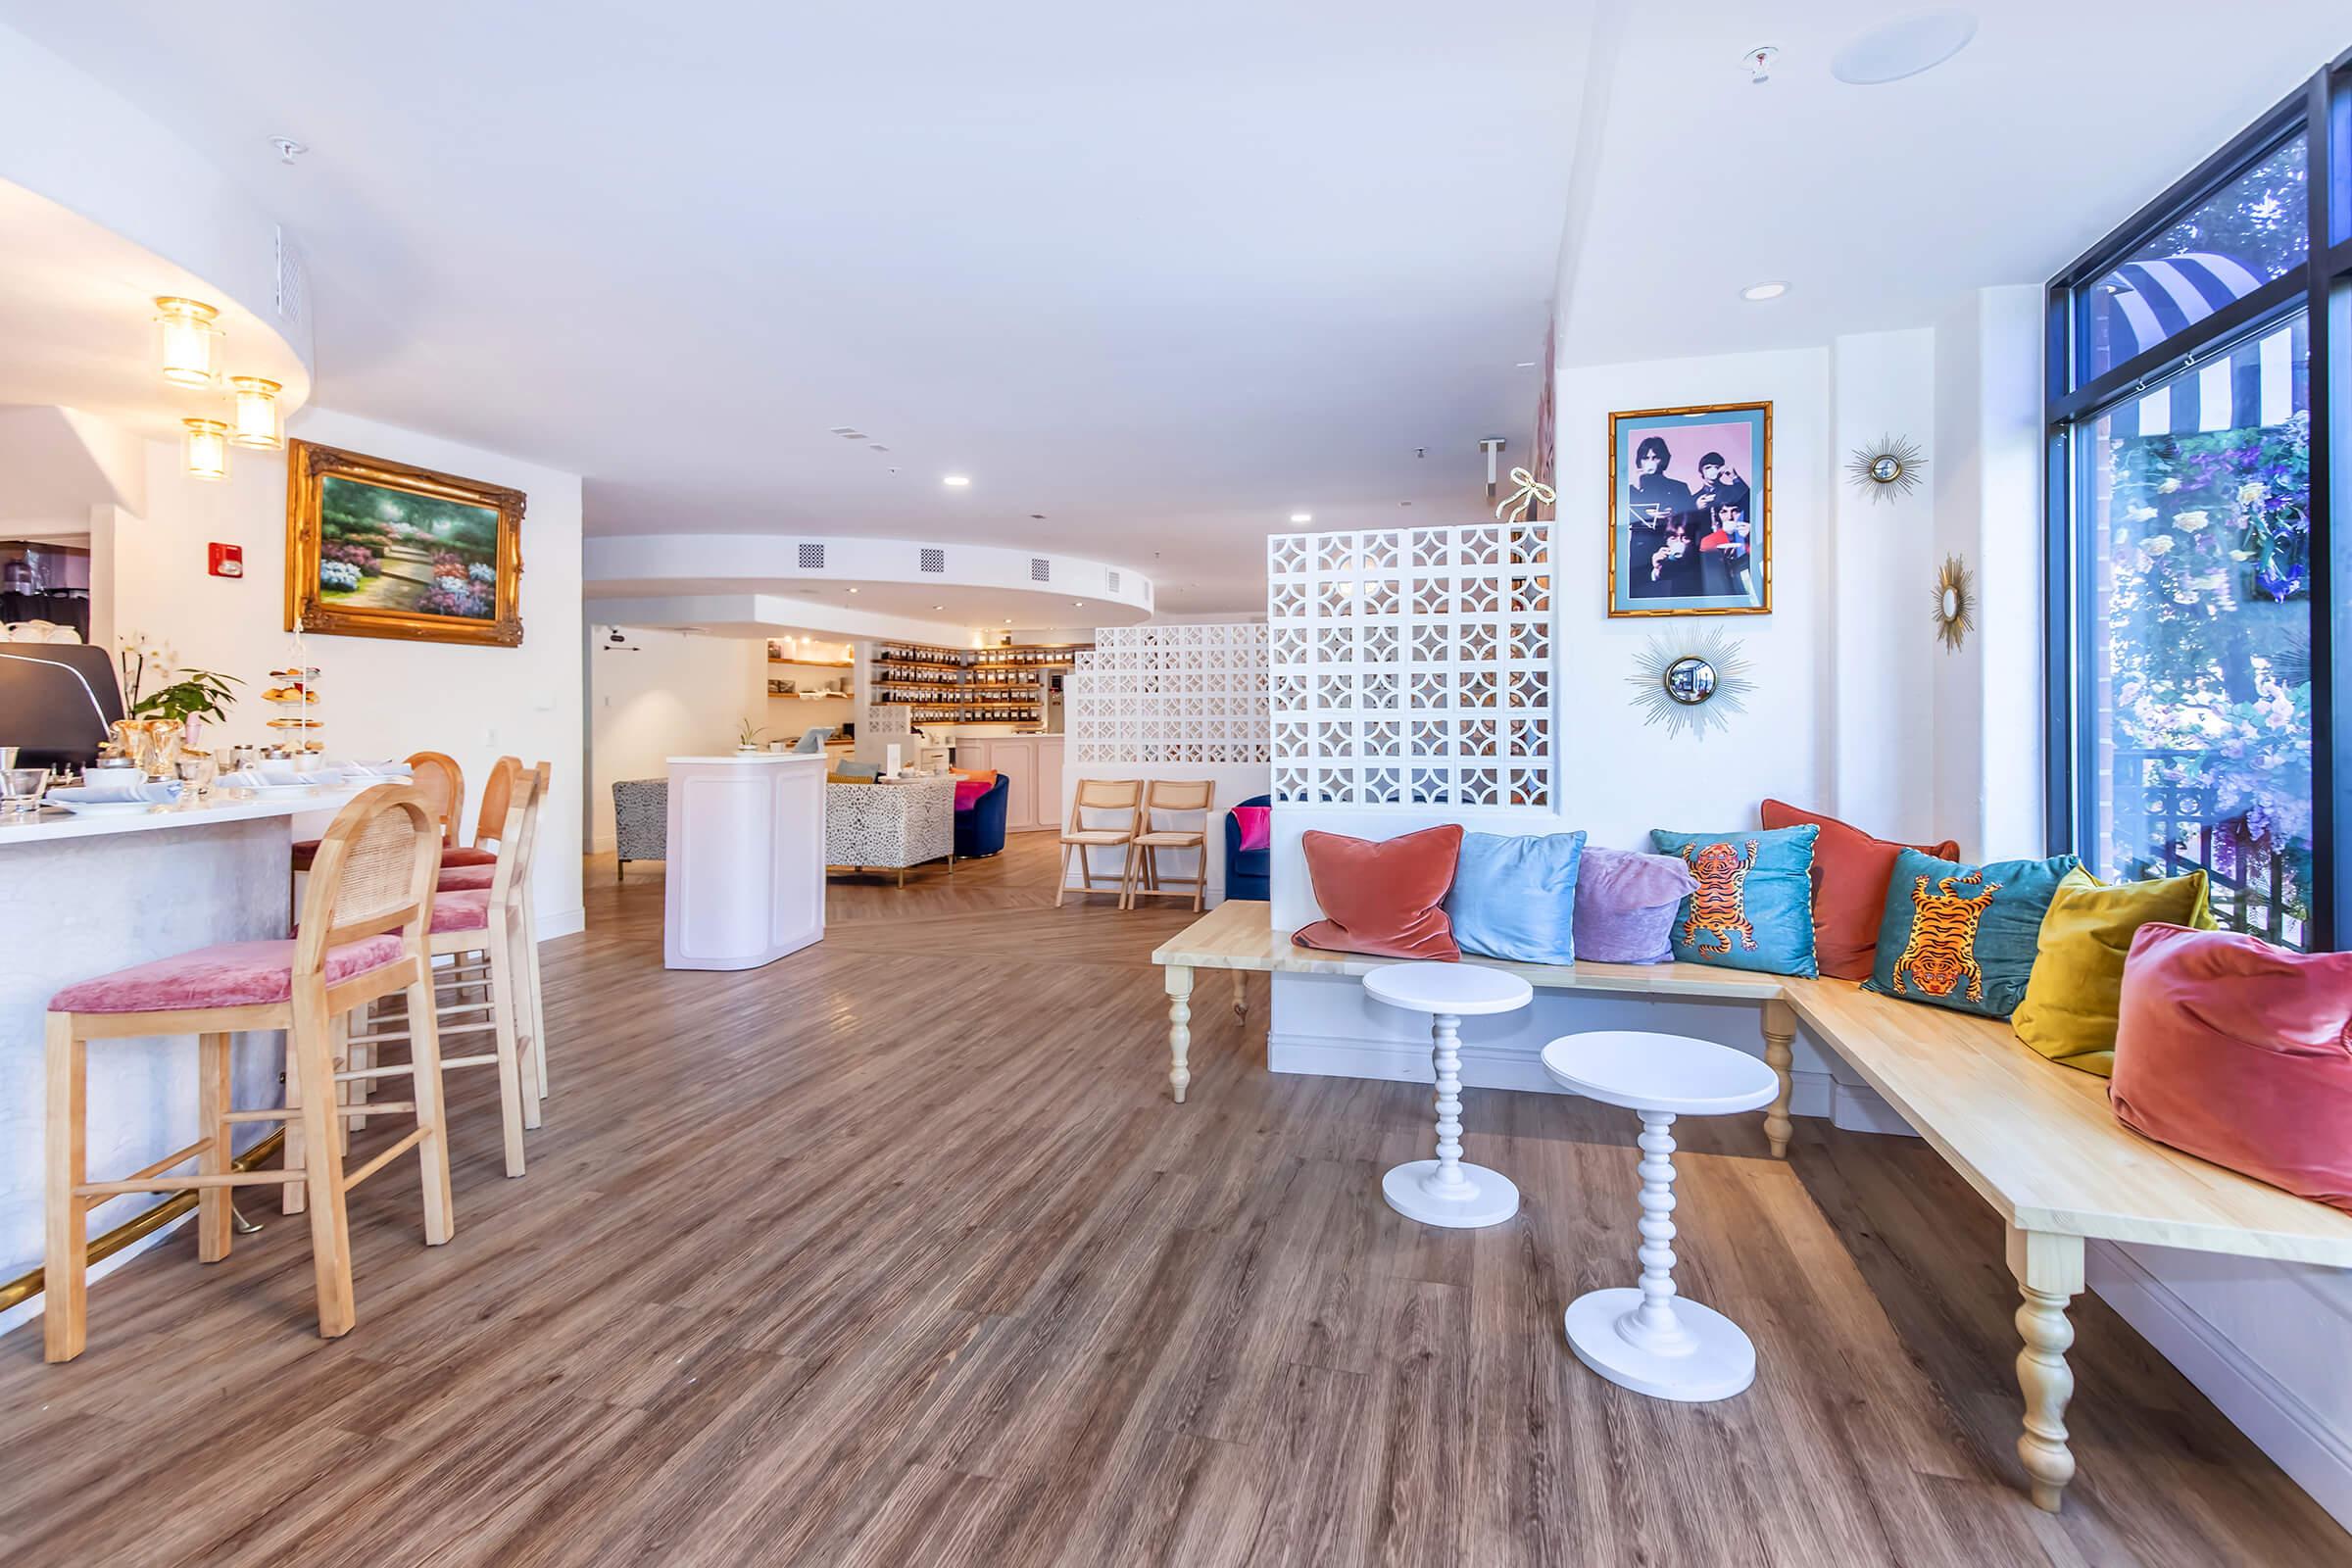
{"x": 2253, "y": 384}
{"x": 2157, "y": 299}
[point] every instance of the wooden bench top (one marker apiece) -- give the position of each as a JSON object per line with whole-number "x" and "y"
{"x": 2034, "y": 1138}
{"x": 1238, "y": 935}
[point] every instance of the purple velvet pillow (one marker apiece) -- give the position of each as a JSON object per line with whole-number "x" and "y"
{"x": 1625, "y": 906}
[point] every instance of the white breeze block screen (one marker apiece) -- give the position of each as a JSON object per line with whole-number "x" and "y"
{"x": 1171, "y": 694}
{"x": 1413, "y": 665}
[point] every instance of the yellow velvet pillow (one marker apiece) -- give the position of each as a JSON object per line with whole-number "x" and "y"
{"x": 2078, "y": 981}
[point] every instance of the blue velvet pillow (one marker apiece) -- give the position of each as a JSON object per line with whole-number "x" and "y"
{"x": 1753, "y": 908}
{"x": 1515, "y": 897}
{"x": 1964, "y": 935}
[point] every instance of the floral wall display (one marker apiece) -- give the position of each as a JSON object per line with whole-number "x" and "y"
{"x": 1414, "y": 665}
{"x": 1170, "y": 694}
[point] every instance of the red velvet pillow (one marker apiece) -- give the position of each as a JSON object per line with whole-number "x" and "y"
{"x": 1850, "y": 873}
{"x": 1385, "y": 898}
{"x": 2239, "y": 1053}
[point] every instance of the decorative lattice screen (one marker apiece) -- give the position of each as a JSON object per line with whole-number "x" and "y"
{"x": 1170, "y": 694}
{"x": 1413, "y": 665}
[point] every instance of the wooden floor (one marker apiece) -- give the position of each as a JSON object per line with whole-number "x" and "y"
{"x": 896, "y": 1252}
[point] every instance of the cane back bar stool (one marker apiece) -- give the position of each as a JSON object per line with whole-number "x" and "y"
{"x": 365, "y": 917}
{"x": 443, "y": 785}
{"x": 483, "y": 932}
{"x": 491, "y": 821}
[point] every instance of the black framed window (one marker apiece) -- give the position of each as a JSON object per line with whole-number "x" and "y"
{"x": 2200, "y": 603}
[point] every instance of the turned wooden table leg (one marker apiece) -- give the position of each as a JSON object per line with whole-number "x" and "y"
{"x": 1780, "y": 1032}
{"x": 2049, "y": 1271}
{"x": 1180, "y": 1027}
{"x": 1240, "y": 995}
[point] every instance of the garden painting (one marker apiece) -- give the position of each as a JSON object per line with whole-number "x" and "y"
{"x": 401, "y": 550}
{"x": 380, "y": 549}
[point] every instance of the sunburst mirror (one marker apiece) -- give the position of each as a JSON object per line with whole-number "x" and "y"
{"x": 1892, "y": 467}
{"x": 1955, "y": 601}
{"x": 1690, "y": 684}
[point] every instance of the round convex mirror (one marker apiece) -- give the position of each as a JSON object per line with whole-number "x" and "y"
{"x": 1885, "y": 468}
{"x": 1691, "y": 681}
{"x": 1951, "y": 604}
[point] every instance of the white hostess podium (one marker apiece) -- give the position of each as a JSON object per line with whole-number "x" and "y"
{"x": 745, "y": 876}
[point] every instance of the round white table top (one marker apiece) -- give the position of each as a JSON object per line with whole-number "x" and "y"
{"x": 1660, "y": 1072}
{"x": 1459, "y": 989}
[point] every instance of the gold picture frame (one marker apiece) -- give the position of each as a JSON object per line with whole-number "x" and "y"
{"x": 1700, "y": 577}
{"x": 383, "y": 548}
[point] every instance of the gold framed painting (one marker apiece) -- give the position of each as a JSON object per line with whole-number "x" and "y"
{"x": 1691, "y": 510}
{"x": 383, "y": 548}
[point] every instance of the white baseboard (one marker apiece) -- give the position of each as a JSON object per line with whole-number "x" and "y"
{"x": 2314, "y": 1452}
{"x": 569, "y": 923}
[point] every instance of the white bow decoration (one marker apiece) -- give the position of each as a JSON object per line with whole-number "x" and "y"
{"x": 1528, "y": 492}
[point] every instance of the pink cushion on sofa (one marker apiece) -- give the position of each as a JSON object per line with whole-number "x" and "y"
{"x": 233, "y": 974}
{"x": 468, "y": 911}
{"x": 460, "y": 878}
{"x": 2239, "y": 1053}
{"x": 969, "y": 790}
{"x": 1256, "y": 823}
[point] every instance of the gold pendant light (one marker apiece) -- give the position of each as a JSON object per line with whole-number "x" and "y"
{"x": 205, "y": 449}
{"x": 186, "y": 340}
{"x": 258, "y": 422}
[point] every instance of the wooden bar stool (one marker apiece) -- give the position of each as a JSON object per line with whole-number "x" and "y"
{"x": 1122, "y": 795}
{"x": 362, "y": 936}
{"x": 485, "y": 934}
{"x": 1181, "y": 796}
{"x": 443, "y": 786}
{"x": 491, "y": 820}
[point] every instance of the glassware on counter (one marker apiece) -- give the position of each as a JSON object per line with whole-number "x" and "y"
{"x": 20, "y": 790}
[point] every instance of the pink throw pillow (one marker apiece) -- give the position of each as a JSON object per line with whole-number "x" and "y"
{"x": 1256, "y": 823}
{"x": 969, "y": 790}
{"x": 1385, "y": 897}
{"x": 2239, "y": 1053}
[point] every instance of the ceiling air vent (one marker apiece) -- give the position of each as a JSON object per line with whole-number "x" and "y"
{"x": 813, "y": 557}
{"x": 1039, "y": 570}
{"x": 292, "y": 293}
{"x": 932, "y": 559}
{"x": 1111, "y": 575}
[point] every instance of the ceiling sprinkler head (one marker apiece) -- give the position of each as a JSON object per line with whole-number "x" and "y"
{"x": 288, "y": 149}
{"x": 1759, "y": 63}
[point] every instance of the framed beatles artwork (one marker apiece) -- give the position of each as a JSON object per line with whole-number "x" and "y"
{"x": 1691, "y": 510}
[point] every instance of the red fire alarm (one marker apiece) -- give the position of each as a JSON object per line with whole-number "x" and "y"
{"x": 228, "y": 561}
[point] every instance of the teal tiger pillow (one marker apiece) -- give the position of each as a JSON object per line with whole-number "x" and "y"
{"x": 1753, "y": 907}
{"x": 1964, "y": 935}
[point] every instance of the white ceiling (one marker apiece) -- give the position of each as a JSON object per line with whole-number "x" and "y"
{"x": 1163, "y": 273}
{"x": 1879, "y": 206}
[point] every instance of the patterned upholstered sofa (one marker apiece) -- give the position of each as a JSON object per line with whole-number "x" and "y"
{"x": 640, "y": 820}
{"x": 889, "y": 826}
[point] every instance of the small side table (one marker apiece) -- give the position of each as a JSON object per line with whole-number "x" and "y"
{"x": 1641, "y": 1338}
{"x": 1447, "y": 1191}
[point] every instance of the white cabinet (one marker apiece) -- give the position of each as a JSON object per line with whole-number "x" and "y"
{"x": 1032, "y": 764}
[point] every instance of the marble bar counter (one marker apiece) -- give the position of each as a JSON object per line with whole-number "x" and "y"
{"x": 745, "y": 882}
{"x": 84, "y": 895}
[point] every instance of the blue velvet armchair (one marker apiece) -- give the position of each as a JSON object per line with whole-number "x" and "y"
{"x": 1249, "y": 874}
{"x": 980, "y": 827}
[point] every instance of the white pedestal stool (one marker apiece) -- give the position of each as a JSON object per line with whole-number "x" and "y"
{"x": 1640, "y": 1336}
{"x": 1446, "y": 1191}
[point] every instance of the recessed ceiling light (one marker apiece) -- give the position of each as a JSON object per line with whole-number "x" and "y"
{"x": 939, "y": 607}
{"x": 1526, "y": 365}
{"x": 1008, "y": 620}
{"x": 1904, "y": 48}
{"x": 853, "y": 590}
{"x": 1764, "y": 291}
{"x": 956, "y": 481}
{"x": 1297, "y": 518}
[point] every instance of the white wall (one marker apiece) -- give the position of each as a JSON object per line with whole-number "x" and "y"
{"x": 679, "y": 694}
{"x": 380, "y": 698}
{"x": 1619, "y": 777}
